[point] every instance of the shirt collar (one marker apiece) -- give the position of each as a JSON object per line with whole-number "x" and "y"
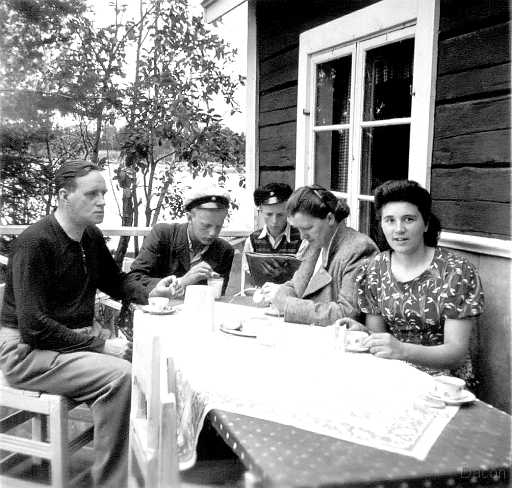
{"x": 286, "y": 233}
{"x": 325, "y": 252}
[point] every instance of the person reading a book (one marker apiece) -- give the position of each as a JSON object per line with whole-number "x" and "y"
{"x": 185, "y": 253}
{"x": 322, "y": 290}
{"x": 276, "y": 237}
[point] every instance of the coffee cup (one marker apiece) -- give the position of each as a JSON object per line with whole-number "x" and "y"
{"x": 158, "y": 304}
{"x": 215, "y": 283}
{"x": 199, "y": 306}
{"x": 448, "y": 387}
{"x": 354, "y": 339}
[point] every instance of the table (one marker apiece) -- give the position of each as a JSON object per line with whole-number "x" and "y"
{"x": 473, "y": 450}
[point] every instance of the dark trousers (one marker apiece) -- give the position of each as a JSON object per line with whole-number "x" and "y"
{"x": 100, "y": 380}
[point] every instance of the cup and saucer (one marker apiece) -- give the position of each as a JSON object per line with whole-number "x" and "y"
{"x": 353, "y": 341}
{"x": 249, "y": 327}
{"x": 158, "y": 306}
{"x": 451, "y": 390}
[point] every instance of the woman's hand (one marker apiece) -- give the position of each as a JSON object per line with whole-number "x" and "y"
{"x": 269, "y": 290}
{"x": 351, "y": 324}
{"x": 384, "y": 345}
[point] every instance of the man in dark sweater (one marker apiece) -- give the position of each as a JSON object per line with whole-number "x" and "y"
{"x": 47, "y": 340}
{"x": 185, "y": 253}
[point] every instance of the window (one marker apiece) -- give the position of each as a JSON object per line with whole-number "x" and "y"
{"x": 365, "y": 102}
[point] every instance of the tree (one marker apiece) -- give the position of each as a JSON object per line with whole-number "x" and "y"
{"x": 32, "y": 33}
{"x": 90, "y": 71}
{"x": 180, "y": 67}
{"x": 55, "y": 61}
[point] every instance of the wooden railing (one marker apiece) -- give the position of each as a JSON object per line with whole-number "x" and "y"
{"x": 15, "y": 230}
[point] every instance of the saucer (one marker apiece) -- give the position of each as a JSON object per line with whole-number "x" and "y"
{"x": 357, "y": 348}
{"x": 238, "y": 332}
{"x": 466, "y": 397}
{"x": 273, "y": 312}
{"x": 154, "y": 311}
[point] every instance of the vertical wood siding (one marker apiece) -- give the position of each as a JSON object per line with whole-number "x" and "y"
{"x": 470, "y": 178}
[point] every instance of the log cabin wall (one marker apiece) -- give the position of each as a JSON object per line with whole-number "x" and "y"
{"x": 279, "y": 25}
{"x": 470, "y": 179}
{"x": 471, "y": 170}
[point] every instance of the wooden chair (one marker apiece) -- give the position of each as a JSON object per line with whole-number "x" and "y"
{"x": 153, "y": 459}
{"x": 49, "y": 415}
{"x": 153, "y": 452}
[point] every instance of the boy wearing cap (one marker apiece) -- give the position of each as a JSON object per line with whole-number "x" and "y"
{"x": 185, "y": 253}
{"x": 276, "y": 236}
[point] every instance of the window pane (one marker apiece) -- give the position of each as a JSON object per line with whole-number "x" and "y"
{"x": 331, "y": 159}
{"x": 333, "y": 92}
{"x": 385, "y": 155}
{"x": 388, "y": 81}
{"x": 369, "y": 225}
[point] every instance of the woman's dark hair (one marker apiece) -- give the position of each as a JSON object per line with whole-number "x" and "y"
{"x": 66, "y": 175}
{"x": 318, "y": 202}
{"x": 411, "y": 192}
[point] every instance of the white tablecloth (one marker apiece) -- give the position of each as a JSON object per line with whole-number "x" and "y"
{"x": 296, "y": 377}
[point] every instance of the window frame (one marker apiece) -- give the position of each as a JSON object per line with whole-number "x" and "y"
{"x": 327, "y": 41}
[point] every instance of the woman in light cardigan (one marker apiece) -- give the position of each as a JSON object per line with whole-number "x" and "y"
{"x": 323, "y": 288}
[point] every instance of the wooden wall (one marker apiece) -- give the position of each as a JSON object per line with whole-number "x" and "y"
{"x": 471, "y": 163}
{"x": 470, "y": 178}
{"x": 279, "y": 25}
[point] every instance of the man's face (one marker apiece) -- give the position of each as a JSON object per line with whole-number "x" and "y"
{"x": 274, "y": 217}
{"x": 205, "y": 224}
{"x": 86, "y": 202}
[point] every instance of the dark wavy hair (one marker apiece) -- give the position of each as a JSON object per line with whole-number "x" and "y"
{"x": 68, "y": 172}
{"x": 411, "y": 192}
{"x": 318, "y": 202}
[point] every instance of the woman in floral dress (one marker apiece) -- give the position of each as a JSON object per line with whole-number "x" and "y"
{"x": 420, "y": 300}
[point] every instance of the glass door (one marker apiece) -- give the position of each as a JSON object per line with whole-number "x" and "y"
{"x": 362, "y": 118}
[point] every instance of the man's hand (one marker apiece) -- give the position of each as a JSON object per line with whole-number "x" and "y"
{"x": 118, "y": 347}
{"x": 271, "y": 268}
{"x": 168, "y": 287}
{"x": 199, "y": 272}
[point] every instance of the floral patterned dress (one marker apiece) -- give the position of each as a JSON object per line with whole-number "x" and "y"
{"x": 415, "y": 311}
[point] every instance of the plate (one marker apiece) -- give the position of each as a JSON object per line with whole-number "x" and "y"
{"x": 466, "y": 397}
{"x": 153, "y": 311}
{"x": 356, "y": 349}
{"x": 273, "y": 312}
{"x": 238, "y": 332}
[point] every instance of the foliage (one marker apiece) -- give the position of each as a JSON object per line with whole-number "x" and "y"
{"x": 55, "y": 61}
{"x": 28, "y": 162}
{"x": 180, "y": 68}
{"x": 32, "y": 35}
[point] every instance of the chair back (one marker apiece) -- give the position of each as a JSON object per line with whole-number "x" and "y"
{"x": 153, "y": 413}
{"x": 2, "y": 291}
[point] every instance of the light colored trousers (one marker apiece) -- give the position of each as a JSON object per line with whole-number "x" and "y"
{"x": 100, "y": 380}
